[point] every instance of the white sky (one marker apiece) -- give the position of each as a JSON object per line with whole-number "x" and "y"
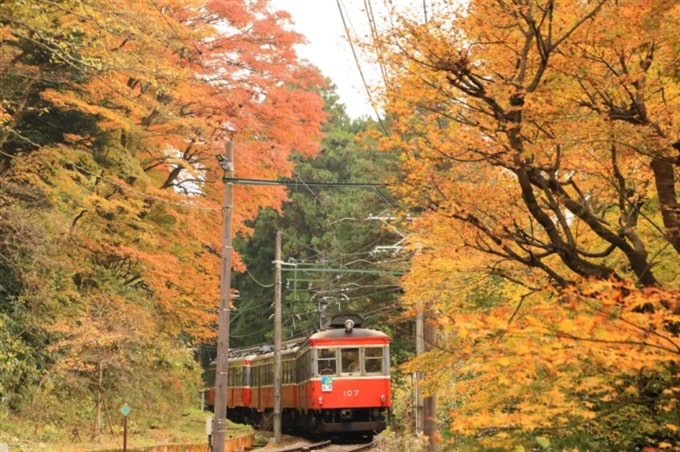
{"x": 320, "y": 21}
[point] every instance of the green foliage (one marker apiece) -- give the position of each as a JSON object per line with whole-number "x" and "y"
{"x": 325, "y": 230}
{"x": 402, "y": 413}
{"x": 31, "y": 286}
{"x": 17, "y": 364}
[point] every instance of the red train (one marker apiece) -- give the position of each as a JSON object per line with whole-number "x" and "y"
{"x": 334, "y": 382}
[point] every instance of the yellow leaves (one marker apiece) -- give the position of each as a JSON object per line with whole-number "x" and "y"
{"x": 552, "y": 361}
{"x": 4, "y": 116}
{"x": 455, "y": 140}
{"x": 462, "y": 332}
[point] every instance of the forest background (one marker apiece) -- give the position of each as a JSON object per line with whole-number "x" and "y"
{"x": 531, "y": 153}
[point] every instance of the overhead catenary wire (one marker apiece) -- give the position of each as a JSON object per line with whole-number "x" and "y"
{"x": 299, "y": 182}
{"x": 350, "y": 40}
{"x": 308, "y": 184}
{"x": 376, "y": 41}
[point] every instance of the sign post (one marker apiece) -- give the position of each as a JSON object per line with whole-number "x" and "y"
{"x": 125, "y": 410}
{"x": 209, "y": 430}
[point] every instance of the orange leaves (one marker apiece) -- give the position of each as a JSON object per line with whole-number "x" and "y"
{"x": 112, "y": 114}
{"x": 163, "y": 89}
{"x": 550, "y": 361}
{"x": 472, "y": 112}
{"x": 535, "y": 142}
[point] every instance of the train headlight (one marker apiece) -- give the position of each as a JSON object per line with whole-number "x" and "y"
{"x": 349, "y": 324}
{"x": 320, "y": 400}
{"x": 383, "y": 399}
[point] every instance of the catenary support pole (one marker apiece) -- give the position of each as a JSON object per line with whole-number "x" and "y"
{"x": 420, "y": 348}
{"x": 429, "y": 402}
{"x": 277, "y": 341}
{"x": 426, "y": 415}
{"x": 222, "y": 368}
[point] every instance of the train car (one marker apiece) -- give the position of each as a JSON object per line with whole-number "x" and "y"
{"x": 334, "y": 382}
{"x": 346, "y": 385}
{"x": 239, "y": 393}
{"x": 262, "y": 382}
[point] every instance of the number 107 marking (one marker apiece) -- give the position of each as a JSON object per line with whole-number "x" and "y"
{"x": 350, "y": 393}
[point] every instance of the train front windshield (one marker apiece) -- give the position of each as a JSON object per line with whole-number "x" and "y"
{"x": 327, "y": 361}
{"x": 352, "y": 360}
{"x": 374, "y": 360}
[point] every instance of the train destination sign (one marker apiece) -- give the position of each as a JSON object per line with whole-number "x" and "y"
{"x": 326, "y": 383}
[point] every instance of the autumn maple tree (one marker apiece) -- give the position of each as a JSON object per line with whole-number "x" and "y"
{"x": 111, "y": 117}
{"x": 540, "y": 143}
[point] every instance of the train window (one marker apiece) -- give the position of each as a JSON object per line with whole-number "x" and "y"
{"x": 304, "y": 362}
{"x": 284, "y": 372}
{"x": 210, "y": 375}
{"x": 350, "y": 360}
{"x": 269, "y": 374}
{"x": 327, "y": 361}
{"x": 307, "y": 365}
{"x": 246, "y": 376}
{"x": 374, "y": 360}
{"x": 289, "y": 372}
{"x": 299, "y": 368}
{"x": 232, "y": 373}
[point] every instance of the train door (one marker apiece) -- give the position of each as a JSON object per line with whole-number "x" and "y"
{"x": 257, "y": 386}
{"x": 304, "y": 366}
{"x": 247, "y": 389}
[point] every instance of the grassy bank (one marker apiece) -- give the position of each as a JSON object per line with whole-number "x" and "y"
{"x": 24, "y": 435}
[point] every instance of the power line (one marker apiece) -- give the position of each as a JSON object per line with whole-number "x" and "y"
{"x": 358, "y": 64}
{"x": 306, "y": 184}
{"x": 376, "y": 42}
{"x": 349, "y": 270}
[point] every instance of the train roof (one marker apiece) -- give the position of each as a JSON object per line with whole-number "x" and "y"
{"x": 340, "y": 320}
{"x": 347, "y": 326}
{"x": 337, "y": 329}
{"x": 341, "y": 333}
{"x": 263, "y": 349}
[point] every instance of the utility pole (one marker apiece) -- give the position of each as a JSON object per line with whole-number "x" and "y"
{"x": 277, "y": 341}
{"x": 222, "y": 368}
{"x": 429, "y": 402}
{"x": 426, "y": 415}
{"x": 420, "y": 348}
{"x": 425, "y": 406}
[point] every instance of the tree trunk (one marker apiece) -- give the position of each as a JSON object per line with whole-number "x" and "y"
{"x": 664, "y": 178}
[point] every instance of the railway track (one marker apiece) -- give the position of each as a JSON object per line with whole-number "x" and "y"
{"x": 326, "y": 446}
